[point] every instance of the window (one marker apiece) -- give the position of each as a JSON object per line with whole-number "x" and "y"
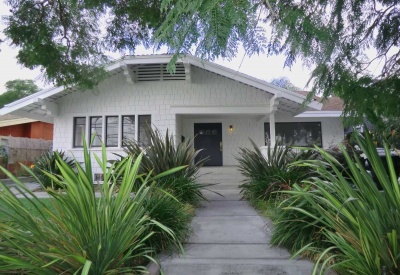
{"x": 296, "y": 133}
{"x": 144, "y": 123}
{"x": 108, "y": 129}
{"x": 128, "y": 129}
{"x": 79, "y": 131}
{"x": 267, "y": 136}
{"x": 112, "y": 131}
{"x": 96, "y": 130}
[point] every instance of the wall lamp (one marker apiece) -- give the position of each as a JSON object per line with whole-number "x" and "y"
{"x": 230, "y": 128}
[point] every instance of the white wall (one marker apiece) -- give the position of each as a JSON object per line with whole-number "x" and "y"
{"x": 115, "y": 96}
{"x": 243, "y": 129}
{"x": 246, "y": 128}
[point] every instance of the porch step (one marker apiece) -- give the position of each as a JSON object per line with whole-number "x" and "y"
{"x": 229, "y": 229}
{"x": 220, "y": 175}
{"x": 229, "y": 172}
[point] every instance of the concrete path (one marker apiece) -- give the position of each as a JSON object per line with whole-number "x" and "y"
{"x": 29, "y": 183}
{"x": 32, "y": 186}
{"x": 230, "y": 237}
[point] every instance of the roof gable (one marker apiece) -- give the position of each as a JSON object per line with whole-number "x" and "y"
{"x": 41, "y": 105}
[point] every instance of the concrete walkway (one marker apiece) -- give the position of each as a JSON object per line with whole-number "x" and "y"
{"x": 32, "y": 186}
{"x": 230, "y": 237}
{"x": 29, "y": 183}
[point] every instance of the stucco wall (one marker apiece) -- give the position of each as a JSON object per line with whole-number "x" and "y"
{"x": 115, "y": 96}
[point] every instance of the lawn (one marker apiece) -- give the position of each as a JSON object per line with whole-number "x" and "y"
{"x": 28, "y": 206}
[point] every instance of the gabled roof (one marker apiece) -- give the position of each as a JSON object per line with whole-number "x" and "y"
{"x": 332, "y": 107}
{"x": 42, "y": 106}
{"x": 333, "y": 103}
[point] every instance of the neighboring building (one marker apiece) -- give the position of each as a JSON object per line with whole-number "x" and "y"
{"x": 15, "y": 126}
{"x": 221, "y": 107}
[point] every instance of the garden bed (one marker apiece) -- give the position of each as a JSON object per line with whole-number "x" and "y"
{"x": 333, "y": 212}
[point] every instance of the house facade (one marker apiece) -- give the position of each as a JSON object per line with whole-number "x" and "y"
{"x": 222, "y": 108}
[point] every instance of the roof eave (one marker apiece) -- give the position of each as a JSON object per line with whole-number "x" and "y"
{"x": 16, "y": 121}
{"x": 320, "y": 114}
{"x": 154, "y": 59}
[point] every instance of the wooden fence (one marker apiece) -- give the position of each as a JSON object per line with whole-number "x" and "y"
{"x": 23, "y": 150}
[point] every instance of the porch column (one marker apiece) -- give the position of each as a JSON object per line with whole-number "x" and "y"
{"x": 274, "y": 107}
{"x": 272, "y": 129}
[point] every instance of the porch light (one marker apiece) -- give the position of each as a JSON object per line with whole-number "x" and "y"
{"x": 230, "y": 128}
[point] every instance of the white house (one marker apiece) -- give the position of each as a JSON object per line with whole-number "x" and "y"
{"x": 221, "y": 107}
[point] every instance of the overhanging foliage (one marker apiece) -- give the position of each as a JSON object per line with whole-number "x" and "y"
{"x": 352, "y": 46}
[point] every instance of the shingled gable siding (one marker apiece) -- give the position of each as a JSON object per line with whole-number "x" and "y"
{"x": 115, "y": 96}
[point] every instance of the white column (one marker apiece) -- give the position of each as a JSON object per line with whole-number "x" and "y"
{"x": 274, "y": 107}
{"x": 272, "y": 129}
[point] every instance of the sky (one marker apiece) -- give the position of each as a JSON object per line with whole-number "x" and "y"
{"x": 262, "y": 67}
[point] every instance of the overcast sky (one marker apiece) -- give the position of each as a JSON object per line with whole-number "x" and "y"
{"x": 262, "y": 67}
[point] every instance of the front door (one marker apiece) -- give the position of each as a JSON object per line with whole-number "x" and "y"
{"x": 208, "y": 136}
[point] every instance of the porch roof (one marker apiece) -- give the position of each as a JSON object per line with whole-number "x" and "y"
{"x": 42, "y": 105}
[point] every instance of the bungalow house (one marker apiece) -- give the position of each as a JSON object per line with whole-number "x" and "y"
{"x": 221, "y": 107}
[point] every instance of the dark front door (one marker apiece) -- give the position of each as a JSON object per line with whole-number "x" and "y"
{"x": 208, "y": 136}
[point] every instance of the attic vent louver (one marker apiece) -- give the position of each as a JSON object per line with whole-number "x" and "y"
{"x": 158, "y": 72}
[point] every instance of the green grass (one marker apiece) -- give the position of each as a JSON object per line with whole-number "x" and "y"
{"x": 28, "y": 206}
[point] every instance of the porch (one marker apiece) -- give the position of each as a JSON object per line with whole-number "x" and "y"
{"x": 234, "y": 131}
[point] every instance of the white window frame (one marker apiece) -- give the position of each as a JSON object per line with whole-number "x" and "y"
{"x": 104, "y": 125}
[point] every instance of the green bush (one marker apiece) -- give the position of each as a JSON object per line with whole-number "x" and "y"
{"x": 361, "y": 223}
{"x": 173, "y": 214}
{"x": 80, "y": 233}
{"x": 266, "y": 176}
{"x": 186, "y": 190}
{"x": 161, "y": 155}
{"x": 3, "y": 154}
{"x": 293, "y": 229}
{"x": 47, "y": 163}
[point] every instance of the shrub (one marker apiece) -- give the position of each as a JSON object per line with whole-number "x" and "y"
{"x": 266, "y": 175}
{"x": 186, "y": 190}
{"x": 161, "y": 155}
{"x": 80, "y": 233}
{"x": 293, "y": 229}
{"x": 173, "y": 214}
{"x": 361, "y": 224}
{"x": 47, "y": 163}
{"x": 3, "y": 154}
{"x": 3, "y": 160}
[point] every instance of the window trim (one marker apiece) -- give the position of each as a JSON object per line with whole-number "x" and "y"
{"x": 138, "y": 128}
{"x": 106, "y": 131}
{"x": 74, "y": 131}
{"x": 296, "y": 122}
{"x": 121, "y": 138}
{"x": 102, "y": 129}
{"x": 88, "y": 127}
